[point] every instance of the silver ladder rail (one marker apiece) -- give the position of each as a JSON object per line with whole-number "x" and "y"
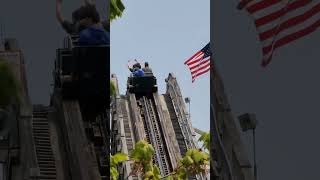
{"x": 157, "y": 136}
{"x": 148, "y": 130}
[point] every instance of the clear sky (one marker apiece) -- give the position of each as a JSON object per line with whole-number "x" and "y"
{"x": 165, "y": 34}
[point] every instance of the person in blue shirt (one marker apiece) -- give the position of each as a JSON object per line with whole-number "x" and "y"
{"x": 138, "y": 72}
{"x": 94, "y": 36}
{"x": 94, "y": 33}
{"x": 133, "y": 66}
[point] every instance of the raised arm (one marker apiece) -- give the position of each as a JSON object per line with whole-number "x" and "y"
{"x": 59, "y": 11}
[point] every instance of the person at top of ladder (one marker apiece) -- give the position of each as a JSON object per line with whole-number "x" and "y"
{"x": 146, "y": 68}
{"x": 79, "y": 18}
{"x": 136, "y": 69}
{"x": 135, "y": 65}
{"x": 138, "y": 72}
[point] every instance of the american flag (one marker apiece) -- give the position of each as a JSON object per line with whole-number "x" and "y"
{"x": 199, "y": 63}
{"x": 279, "y": 22}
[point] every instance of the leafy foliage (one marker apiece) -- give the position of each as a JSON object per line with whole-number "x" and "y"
{"x": 114, "y": 161}
{"x": 9, "y": 85}
{"x": 205, "y": 138}
{"x": 142, "y": 156}
{"x": 116, "y": 9}
{"x": 194, "y": 162}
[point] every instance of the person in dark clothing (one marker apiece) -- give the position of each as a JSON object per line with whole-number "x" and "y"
{"x": 138, "y": 65}
{"x": 78, "y": 19}
{"x": 146, "y": 68}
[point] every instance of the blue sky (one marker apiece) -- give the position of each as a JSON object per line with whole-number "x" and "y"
{"x": 165, "y": 33}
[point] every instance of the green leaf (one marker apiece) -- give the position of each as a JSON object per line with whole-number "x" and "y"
{"x": 187, "y": 160}
{"x": 197, "y": 157}
{"x": 148, "y": 167}
{"x": 114, "y": 161}
{"x": 143, "y": 163}
{"x": 114, "y": 173}
{"x": 182, "y": 173}
{"x": 148, "y": 174}
{"x": 194, "y": 162}
{"x": 142, "y": 151}
{"x": 156, "y": 172}
{"x": 120, "y": 157}
{"x": 116, "y": 9}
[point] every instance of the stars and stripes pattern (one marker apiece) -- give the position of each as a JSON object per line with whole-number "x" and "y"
{"x": 279, "y": 22}
{"x": 199, "y": 63}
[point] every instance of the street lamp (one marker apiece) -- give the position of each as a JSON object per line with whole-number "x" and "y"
{"x": 187, "y": 100}
{"x": 248, "y": 122}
